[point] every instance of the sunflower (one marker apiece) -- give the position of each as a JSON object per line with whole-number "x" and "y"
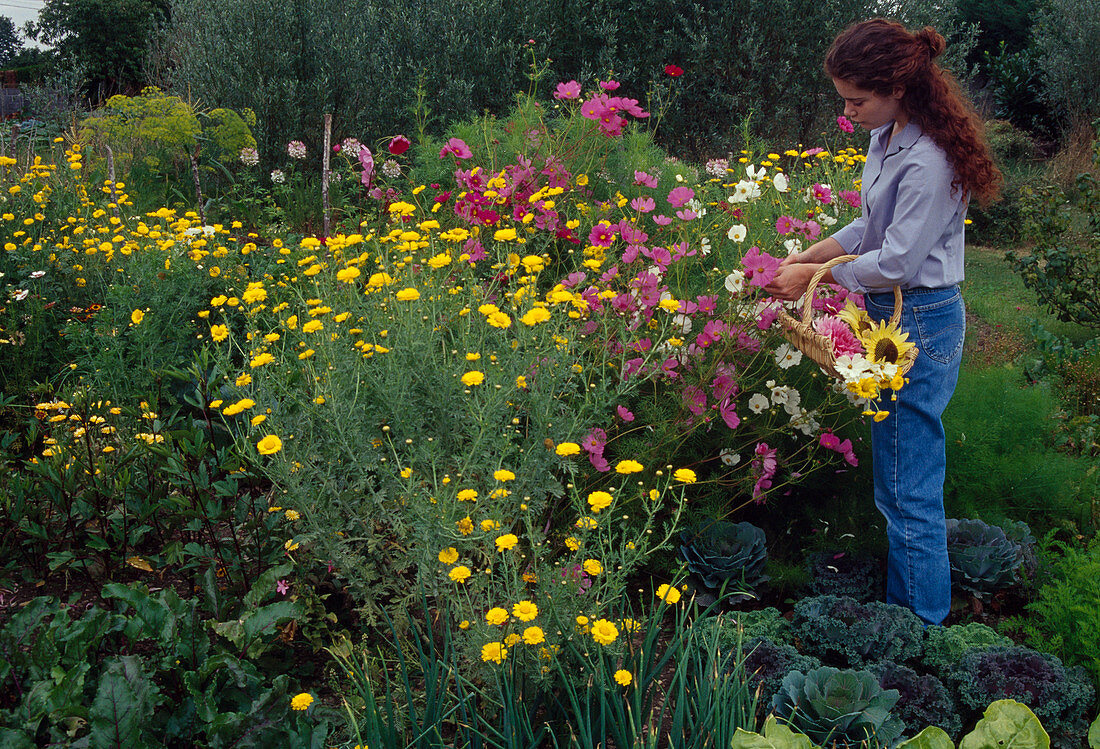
{"x": 856, "y": 318}
{"x": 885, "y": 343}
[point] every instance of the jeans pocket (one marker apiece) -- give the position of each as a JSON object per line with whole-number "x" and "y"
{"x": 941, "y": 328}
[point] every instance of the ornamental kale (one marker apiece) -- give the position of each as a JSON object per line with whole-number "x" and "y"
{"x": 838, "y": 708}
{"x": 1060, "y": 697}
{"x": 844, "y": 574}
{"x": 845, "y": 632}
{"x": 983, "y": 559}
{"x": 721, "y": 552}
{"x": 767, "y": 663}
{"x": 944, "y": 646}
{"x": 923, "y": 699}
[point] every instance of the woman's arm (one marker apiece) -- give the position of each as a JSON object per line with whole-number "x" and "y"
{"x": 796, "y": 270}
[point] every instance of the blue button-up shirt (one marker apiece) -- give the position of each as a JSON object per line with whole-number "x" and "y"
{"x": 910, "y": 233}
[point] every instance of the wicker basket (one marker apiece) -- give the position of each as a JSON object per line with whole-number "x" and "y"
{"x": 802, "y": 335}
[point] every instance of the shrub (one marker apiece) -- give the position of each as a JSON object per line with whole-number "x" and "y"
{"x": 844, "y": 574}
{"x": 726, "y": 554}
{"x": 1060, "y": 697}
{"x": 838, "y": 708}
{"x": 983, "y": 559}
{"x": 1064, "y": 34}
{"x": 842, "y": 631}
{"x": 1063, "y": 268}
{"x": 923, "y": 700}
{"x": 946, "y": 645}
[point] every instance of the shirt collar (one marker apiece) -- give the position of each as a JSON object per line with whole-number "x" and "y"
{"x": 905, "y": 139}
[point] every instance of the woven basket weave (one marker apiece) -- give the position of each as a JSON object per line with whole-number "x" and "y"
{"x": 802, "y": 335}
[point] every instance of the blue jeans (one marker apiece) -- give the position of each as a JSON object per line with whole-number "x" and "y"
{"x": 909, "y": 450}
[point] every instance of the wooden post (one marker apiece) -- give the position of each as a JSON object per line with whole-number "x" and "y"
{"x": 111, "y": 177}
{"x": 198, "y": 187}
{"x": 325, "y": 172}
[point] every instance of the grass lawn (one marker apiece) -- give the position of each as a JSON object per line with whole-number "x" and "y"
{"x": 1000, "y": 311}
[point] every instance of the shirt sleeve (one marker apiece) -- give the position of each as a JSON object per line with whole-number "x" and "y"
{"x": 923, "y": 210}
{"x": 851, "y": 235}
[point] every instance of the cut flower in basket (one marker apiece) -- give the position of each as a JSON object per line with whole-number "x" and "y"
{"x": 864, "y": 355}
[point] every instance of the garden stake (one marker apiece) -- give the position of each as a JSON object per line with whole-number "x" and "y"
{"x": 325, "y": 171}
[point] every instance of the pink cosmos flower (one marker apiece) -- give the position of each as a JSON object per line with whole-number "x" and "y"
{"x": 609, "y": 85}
{"x": 644, "y": 179}
{"x": 625, "y": 414}
{"x": 398, "y": 145}
{"x": 282, "y": 587}
{"x": 785, "y": 224}
{"x": 845, "y": 124}
{"x": 601, "y": 235}
{"x": 366, "y": 160}
{"x": 823, "y": 193}
{"x": 685, "y": 214}
{"x": 644, "y": 204}
{"x": 760, "y": 267}
{"x": 568, "y": 90}
{"x": 457, "y": 148}
{"x": 630, "y": 254}
{"x": 673, "y": 71}
{"x": 729, "y": 414}
{"x": 662, "y": 220}
{"x": 851, "y": 197}
{"x": 695, "y": 399}
{"x": 840, "y": 334}
{"x": 679, "y": 196}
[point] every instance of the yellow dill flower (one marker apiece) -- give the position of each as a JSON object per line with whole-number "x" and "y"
{"x": 668, "y": 594}
{"x": 592, "y": 567}
{"x": 623, "y": 678}
{"x": 628, "y": 466}
{"x": 496, "y": 616}
{"x": 448, "y": 555}
{"x": 566, "y": 449}
{"x": 604, "y": 632}
{"x": 494, "y": 651}
{"x": 408, "y": 295}
{"x": 459, "y": 574}
{"x": 269, "y": 445}
{"x": 534, "y": 636}
{"x": 506, "y": 542}
{"x": 503, "y": 475}
{"x": 301, "y": 701}
{"x": 472, "y": 378}
{"x": 525, "y": 611}
{"x": 685, "y": 475}
{"x": 467, "y": 495}
{"x": 599, "y": 500}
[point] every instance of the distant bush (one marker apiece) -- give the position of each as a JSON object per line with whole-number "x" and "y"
{"x": 842, "y": 631}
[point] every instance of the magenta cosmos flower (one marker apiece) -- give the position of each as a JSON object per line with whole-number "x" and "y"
{"x": 568, "y": 90}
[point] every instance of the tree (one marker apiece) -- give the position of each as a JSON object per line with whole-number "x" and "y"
{"x": 10, "y": 42}
{"x": 108, "y": 37}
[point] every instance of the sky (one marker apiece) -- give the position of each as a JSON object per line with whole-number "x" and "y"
{"x": 21, "y": 11}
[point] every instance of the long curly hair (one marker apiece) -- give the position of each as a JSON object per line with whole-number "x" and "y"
{"x": 882, "y": 56}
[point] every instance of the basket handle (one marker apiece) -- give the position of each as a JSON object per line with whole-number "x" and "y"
{"x": 815, "y": 279}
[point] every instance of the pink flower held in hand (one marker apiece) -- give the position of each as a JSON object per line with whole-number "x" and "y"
{"x": 457, "y": 148}
{"x": 844, "y": 124}
{"x": 399, "y": 145}
{"x": 568, "y": 90}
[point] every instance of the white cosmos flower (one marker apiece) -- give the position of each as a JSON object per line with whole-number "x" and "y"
{"x": 683, "y": 322}
{"x": 704, "y": 246}
{"x": 780, "y": 182}
{"x": 744, "y": 191}
{"x": 755, "y": 173}
{"x": 697, "y": 208}
{"x": 38, "y": 274}
{"x": 729, "y": 457}
{"x": 806, "y": 422}
{"x": 735, "y": 282}
{"x": 793, "y": 245}
{"x": 826, "y": 219}
{"x": 738, "y": 232}
{"x": 21, "y": 294}
{"x": 758, "y": 403}
{"x": 787, "y": 356}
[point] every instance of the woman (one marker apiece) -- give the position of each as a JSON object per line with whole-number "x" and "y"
{"x": 926, "y": 158}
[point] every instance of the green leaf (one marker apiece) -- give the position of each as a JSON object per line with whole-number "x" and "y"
{"x": 929, "y": 738}
{"x": 246, "y": 632}
{"x": 1094, "y": 734}
{"x": 776, "y": 736}
{"x": 1008, "y": 724}
{"x": 12, "y": 739}
{"x": 123, "y": 703}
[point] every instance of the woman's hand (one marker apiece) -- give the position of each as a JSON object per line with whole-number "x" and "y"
{"x": 791, "y": 279}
